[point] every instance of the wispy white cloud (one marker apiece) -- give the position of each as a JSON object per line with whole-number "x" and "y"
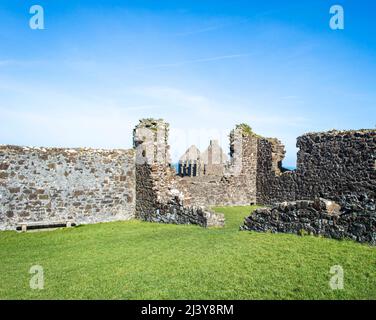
{"x": 169, "y": 93}
{"x": 213, "y": 27}
{"x": 203, "y": 60}
{"x": 202, "y": 30}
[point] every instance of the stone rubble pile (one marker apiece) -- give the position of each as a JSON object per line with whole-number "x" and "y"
{"x": 318, "y": 217}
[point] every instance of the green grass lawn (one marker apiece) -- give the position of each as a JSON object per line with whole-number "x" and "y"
{"x": 140, "y": 260}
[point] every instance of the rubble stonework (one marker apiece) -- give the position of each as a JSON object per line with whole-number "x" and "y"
{"x": 336, "y": 165}
{"x": 320, "y": 217}
{"x": 54, "y": 184}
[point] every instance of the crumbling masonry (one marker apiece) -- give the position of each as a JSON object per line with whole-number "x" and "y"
{"x": 334, "y": 170}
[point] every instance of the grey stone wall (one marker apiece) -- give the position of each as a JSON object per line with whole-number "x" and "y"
{"x": 51, "y": 184}
{"x": 319, "y": 217}
{"x": 218, "y": 191}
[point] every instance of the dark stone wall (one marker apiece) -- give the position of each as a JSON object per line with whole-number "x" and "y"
{"x": 334, "y": 165}
{"x": 271, "y": 186}
{"x": 339, "y": 166}
{"x": 146, "y": 197}
{"x": 319, "y": 217}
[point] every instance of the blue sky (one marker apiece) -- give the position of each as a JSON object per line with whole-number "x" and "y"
{"x": 204, "y": 66}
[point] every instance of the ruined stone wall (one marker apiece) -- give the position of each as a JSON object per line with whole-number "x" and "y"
{"x": 277, "y": 155}
{"x": 218, "y": 191}
{"x": 273, "y": 186}
{"x": 88, "y": 186}
{"x": 159, "y": 198}
{"x": 237, "y": 186}
{"x": 51, "y": 184}
{"x": 339, "y": 166}
{"x": 334, "y": 165}
{"x": 319, "y": 217}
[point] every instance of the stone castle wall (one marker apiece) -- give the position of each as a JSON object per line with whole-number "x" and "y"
{"x": 51, "y": 184}
{"x": 339, "y": 166}
{"x": 88, "y": 186}
{"x": 318, "y": 217}
{"x": 335, "y": 165}
{"x": 218, "y": 191}
{"x": 159, "y": 199}
{"x": 237, "y": 186}
{"x": 271, "y": 186}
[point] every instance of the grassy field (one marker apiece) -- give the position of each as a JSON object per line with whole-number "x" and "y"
{"x": 139, "y": 260}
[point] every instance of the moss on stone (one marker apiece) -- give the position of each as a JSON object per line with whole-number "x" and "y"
{"x": 247, "y": 130}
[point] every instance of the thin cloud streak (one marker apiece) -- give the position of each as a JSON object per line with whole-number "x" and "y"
{"x": 212, "y": 28}
{"x": 182, "y": 63}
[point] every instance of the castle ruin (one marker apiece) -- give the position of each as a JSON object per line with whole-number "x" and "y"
{"x": 212, "y": 162}
{"x": 335, "y": 169}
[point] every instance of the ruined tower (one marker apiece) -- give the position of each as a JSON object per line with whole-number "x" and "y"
{"x": 150, "y": 139}
{"x": 153, "y": 171}
{"x": 158, "y": 198}
{"x": 213, "y": 159}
